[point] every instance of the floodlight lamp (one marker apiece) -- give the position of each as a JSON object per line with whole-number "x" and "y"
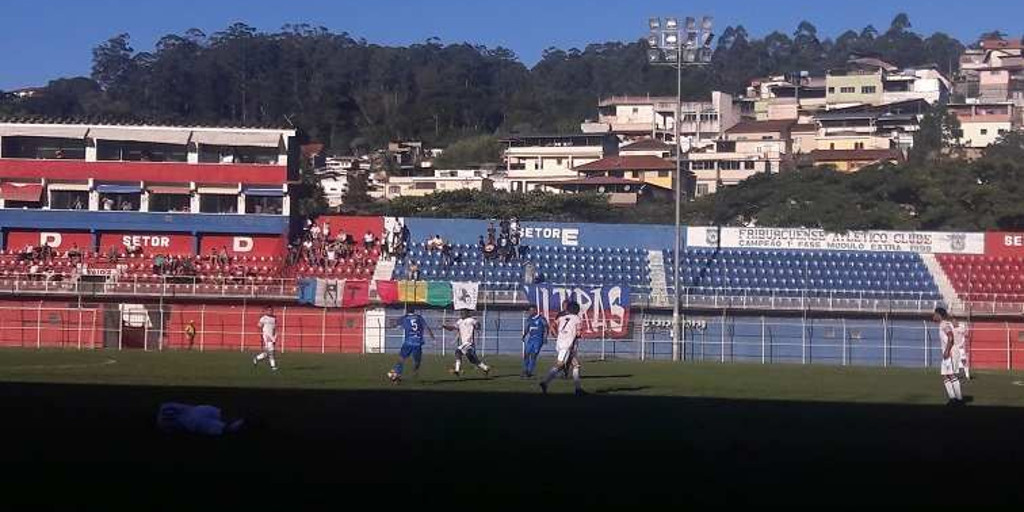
{"x": 691, "y": 24}
{"x": 705, "y": 24}
{"x": 671, "y": 55}
{"x": 652, "y": 41}
{"x": 654, "y": 23}
{"x": 654, "y": 55}
{"x": 671, "y": 39}
{"x": 671, "y": 24}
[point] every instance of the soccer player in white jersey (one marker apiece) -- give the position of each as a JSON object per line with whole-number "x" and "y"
{"x": 268, "y": 328}
{"x": 467, "y": 327}
{"x": 947, "y": 337}
{"x": 568, "y": 330}
{"x": 960, "y": 334}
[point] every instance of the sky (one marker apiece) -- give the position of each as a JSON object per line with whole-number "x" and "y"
{"x": 48, "y": 39}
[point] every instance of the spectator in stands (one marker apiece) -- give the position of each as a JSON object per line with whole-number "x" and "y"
{"x": 108, "y": 204}
{"x": 315, "y": 231}
{"x": 75, "y": 254}
{"x": 413, "y": 272}
{"x": 490, "y": 251}
{"x": 446, "y": 255}
{"x": 223, "y": 258}
{"x": 435, "y": 244}
{"x": 342, "y": 237}
{"x": 59, "y": 154}
{"x": 77, "y": 204}
{"x": 332, "y": 256}
{"x": 113, "y": 254}
{"x": 33, "y": 272}
{"x": 134, "y": 250}
{"x": 490, "y": 233}
{"x": 158, "y": 264}
{"x": 504, "y": 248}
{"x": 368, "y": 240}
{"x": 504, "y": 226}
{"x": 529, "y": 273}
{"x": 406, "y": 235}
{"x": 327, "y": 230}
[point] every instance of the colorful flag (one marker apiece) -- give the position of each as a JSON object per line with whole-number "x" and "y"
{"x": 412, "y": 291}
{"x": 387, "y": 291}
{"x": 328, "y": 293}
{"x": 356, "y": 293}
{"x": 439, "y": 293}
{"x": 465, "y": 295}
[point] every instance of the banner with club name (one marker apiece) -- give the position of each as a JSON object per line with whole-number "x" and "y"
{"x": 603, "y": 309}
{"x": 921, "y": 242}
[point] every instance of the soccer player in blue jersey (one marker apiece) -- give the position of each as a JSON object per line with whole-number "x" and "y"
{"x": 533, "y": 338}
{"x": 413, "y": 325}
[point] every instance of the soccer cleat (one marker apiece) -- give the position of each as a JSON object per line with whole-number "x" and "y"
{"x": 487, "y": 372}
{"x": 544, "y": 387}
{"x": 455, "y": 372}
{"x": 273, "y": 369}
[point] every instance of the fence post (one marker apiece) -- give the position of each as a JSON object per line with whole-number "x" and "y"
{"x": 643, "y": 336}
{"x": 444, "y": 332}
{"x": 602, "y": 343}
{"x": 241, "y": 342}
{"x": 927, "y": 356}
{"x": 523, "y": 350}
{"x": 764, "y": 359}
{"x": 885, "y": 341}
{"x": 79, "y": 327}
{"x": 1009, "y": 353}
{"x": 483, "y": 330}
{"x": 323, "y": 332}
{"x": 39, "y": 325}
{"x": 803, "y": 338}
{"x": 284, "y": 316}
{"x": 120, "y": 329}
{"x": 722, "y": 351}
{"x": 92, "y": 332}
{"x": 846, "y": 339}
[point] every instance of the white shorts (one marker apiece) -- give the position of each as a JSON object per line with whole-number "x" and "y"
{"x": 961, "y": 356}
{"x": 567, "y": 357}
{"x": 948, "y": 367}
{"x": 268, "y": 345}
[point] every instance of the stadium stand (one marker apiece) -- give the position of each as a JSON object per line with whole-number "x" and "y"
{"x": 556, "y": 265}
{"x": 985, "y": 278}
{"x": 874, "y": 275}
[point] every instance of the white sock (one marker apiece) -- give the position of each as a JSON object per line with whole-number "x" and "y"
{"x": 949, "y": 389}
{"x": 967, "y": 371}
{"x": 458, "y": 365}
{"x": 576, "y": 378}
{"x": 484, "y": 367}
{"x": 956, "y": 389}
{"x": 261, "y": 356}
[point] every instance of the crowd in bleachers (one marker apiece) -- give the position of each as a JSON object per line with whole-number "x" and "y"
{"x": 502, "y": 244}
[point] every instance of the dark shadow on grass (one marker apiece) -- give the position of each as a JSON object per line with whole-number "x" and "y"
{"x": 624, "y": 389}
{"x": 622, "y": 448}
{"x": 599, "y": 377}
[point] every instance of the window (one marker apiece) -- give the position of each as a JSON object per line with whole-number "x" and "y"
{"x": 748, "y": 165}
{"x": 44, "y": 148}
{"x": 831, "y": 145}
{"x": 237, "y": 155}
{"x": 984, "y": 131}
{"x": 831, "y": 90}
{"x": 395, "y": 190}
{"x": 856, "y": 334}
{"x": 635, "y": 174}
{"x": 111, "y": 150}
{"x": 729, "y": 165}
{"x": 636, "y": 110}
{"x": 868, "y": 89}
{"x": 617, "y": 174}
{"x": 767, "y": 137}
{"x": 702, "y": 165}
{"x": 848, "y": 90}
{"x": 858, "y": 145}
{"x": 168, "y": 203}
{"x": 725, "y": 146}
{"x": 264, "y": 205}
{"x": 1002, "y": 131}
{"x": 120, "y": 202}
{"x": 69, "y": 200}
{"x": 702, "y": 189}
{"x": 663, "y": 174}
{"x": 958, "y": 133}
{"x": 425, "y": 185}
{"x": 218, "y": 203}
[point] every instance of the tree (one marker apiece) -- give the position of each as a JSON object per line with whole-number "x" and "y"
{"x": 112, "y": 62}
{"x": 470, "y": 152}
{"x": 940, "y": 131}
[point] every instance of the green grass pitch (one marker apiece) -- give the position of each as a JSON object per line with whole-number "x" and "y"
{"x": 658, "y": 431}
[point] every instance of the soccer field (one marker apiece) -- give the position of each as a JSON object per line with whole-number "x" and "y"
{"x": 690, "y": 433}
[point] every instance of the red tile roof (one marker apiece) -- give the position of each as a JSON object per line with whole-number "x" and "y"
{"x": 773, "y": 126}
{"x": 647, "y": 145}
{"x": 860, "y": 155}
{"x": 998, "y": 44}
{"x": 628, "y": 163}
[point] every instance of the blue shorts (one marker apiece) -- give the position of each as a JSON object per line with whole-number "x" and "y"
{"x": 416, "y": 351}
{"x": 533, "y": 347}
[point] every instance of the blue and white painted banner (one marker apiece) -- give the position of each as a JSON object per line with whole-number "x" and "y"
{"x": 603, "y": 309}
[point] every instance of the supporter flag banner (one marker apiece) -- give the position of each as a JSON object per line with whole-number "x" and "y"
{"x": 387, "y": 291}
{"x": 356, "y": 293}
{"x": 464, "y": 295}
{"x": 604, "y": 310}
{"x": 922, "y": 242}
{"x": 324, "y": 293}
{"x": 412, "y": 291}
{"x": 439, "y": 293}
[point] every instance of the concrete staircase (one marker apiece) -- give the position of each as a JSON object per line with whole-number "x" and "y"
{"x": 949, "y": 295}
{"x": 659, "y": 283}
